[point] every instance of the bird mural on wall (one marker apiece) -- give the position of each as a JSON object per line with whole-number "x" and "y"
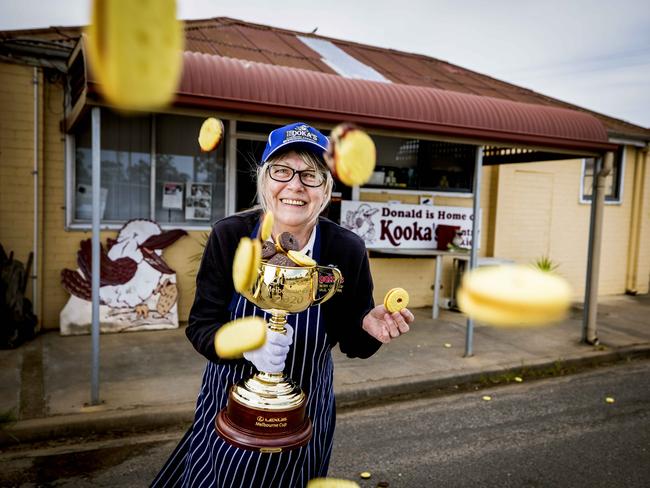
{"x": 131, "y": 269}
{"x": 360, "y": 221}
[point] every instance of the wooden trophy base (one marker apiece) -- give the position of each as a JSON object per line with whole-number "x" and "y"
{"x": 262, "y": 430}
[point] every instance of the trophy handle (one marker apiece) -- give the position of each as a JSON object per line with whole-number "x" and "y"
{"x": 333, "y": 286}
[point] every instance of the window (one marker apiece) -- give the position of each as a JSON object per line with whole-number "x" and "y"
{"x": 249, "y": 152}
{"x": 201, "y": 176}
{"x": 415, "y": 164}
{"x": 189, "y": 186}
{"x": 613, "y": 182}
{"x": 125, "y": 168}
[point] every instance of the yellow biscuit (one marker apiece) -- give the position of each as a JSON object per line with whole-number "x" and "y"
{"x": 235, "y": 338}
{"x": 256, "y": 262}
{"x": 387, "y": 295}
{"x": 300, "y": 259}
{"x": 211, "y": 134}
{"x": 242, "y": 266}
{"x": 514, "y": 295}
{"x": 396, "y": 299}
{"x": 331, "y": 483}
{"x": 267, "y": 226}
{"x": 135, "y": 50}
{"x": 354, "y": 155}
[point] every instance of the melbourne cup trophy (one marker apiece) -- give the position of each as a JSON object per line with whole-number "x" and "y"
{"x": 266, "y": 412}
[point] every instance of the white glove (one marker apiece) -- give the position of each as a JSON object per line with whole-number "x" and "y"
{"x": 271, "y": 356}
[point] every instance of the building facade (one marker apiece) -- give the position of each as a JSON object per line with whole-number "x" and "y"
{"x": 538, "y": 205}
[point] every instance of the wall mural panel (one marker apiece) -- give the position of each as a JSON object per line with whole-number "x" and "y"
{"x": 137, "y": 289}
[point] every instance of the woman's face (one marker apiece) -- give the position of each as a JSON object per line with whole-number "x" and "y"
{"x": 292, "y": 203}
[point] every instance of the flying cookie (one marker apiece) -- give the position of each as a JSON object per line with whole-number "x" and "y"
{"x": 235, "y": 338}
{"x": 331, "y": 483}
{"x": 246, "y": 264}
{"x": 351, "y": 155}
{"x": 211, "y": 134}
{"x": 135, "y": 51}
{"x": 396, "y": 299}
{"x": 267, "y": 226}
{"x": 514, "y": 295}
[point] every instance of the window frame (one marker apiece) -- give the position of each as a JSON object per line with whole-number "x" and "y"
{"x": 72, "y": 224}
{"x": 618, "y": 200}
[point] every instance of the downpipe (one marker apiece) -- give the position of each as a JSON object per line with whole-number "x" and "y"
{"x": 601, "y": 170}
{"x": 35, "y": 262}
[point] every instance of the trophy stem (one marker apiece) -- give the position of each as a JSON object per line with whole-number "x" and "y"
{"x": 278, "y": 321}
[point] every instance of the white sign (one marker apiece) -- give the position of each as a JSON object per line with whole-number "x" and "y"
{"x": 172, "y": 196}
{"x": 385, "y": 226}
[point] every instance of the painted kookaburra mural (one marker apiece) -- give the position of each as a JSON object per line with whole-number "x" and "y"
{"x": 137, "y": 286}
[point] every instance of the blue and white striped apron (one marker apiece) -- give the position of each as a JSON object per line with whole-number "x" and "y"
{"x": 203, "y": 459}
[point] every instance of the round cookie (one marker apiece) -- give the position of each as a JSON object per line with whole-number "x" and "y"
{"x": 211, "y": 134}
{"x": 331, "y": 483}
{"x": 266, "y": 226}
{"x": 396, "y": 299}
{"x": 268, "y": 250}
{"x": 287, "y": 242}
{"x": 246, "y": 263}
{"x": 351, "y": 154}
{"x": 514, "y": 295}
{"x": 235, "y": 338}
{"x": 282, "y": 260}
{"x": 256, "y": 262}
{"x": 135, "y": 50}
{"x": 301, "y": 259}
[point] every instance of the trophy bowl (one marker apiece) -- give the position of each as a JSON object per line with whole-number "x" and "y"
{"x": 266, "y": 412}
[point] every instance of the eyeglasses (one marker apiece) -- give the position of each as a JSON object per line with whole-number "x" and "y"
{"x": 308, "y": 177}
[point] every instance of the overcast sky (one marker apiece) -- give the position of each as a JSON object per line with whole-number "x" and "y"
{"x": 593, "y": 53}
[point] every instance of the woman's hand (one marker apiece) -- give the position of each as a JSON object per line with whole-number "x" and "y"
{"x": 384, "y": 326}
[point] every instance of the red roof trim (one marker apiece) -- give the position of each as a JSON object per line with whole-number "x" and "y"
{"x": 230, "y": 84}
{"x": 221, "y": 83}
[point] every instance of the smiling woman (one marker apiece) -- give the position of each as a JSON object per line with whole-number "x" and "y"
{"x": 294, "y": 183}
{"x": 296, "y": 187}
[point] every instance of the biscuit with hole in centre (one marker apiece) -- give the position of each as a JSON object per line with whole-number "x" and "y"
{"x": 396, "y": 299}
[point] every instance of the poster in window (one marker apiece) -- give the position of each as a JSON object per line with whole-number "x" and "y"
{"x": 198, "y": 201}
{"x": 172, "y": 196}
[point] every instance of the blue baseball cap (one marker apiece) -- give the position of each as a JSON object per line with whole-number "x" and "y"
{"x": 295, "y": 136}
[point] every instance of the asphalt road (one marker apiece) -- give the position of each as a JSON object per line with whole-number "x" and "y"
{"x": 555, "y": 432}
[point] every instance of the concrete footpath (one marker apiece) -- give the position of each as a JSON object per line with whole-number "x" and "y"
{"x": 149, "y": 380}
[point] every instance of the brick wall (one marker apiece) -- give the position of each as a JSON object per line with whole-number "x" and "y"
{"x": 17, "y": 160}
{"x": 58, "y": 246}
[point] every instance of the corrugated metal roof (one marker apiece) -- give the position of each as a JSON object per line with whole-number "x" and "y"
{"x": 245, "y": 86}
{"x": 281, "y": 47}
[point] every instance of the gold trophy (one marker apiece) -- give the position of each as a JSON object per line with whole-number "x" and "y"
{"x": 266, "y": 412}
